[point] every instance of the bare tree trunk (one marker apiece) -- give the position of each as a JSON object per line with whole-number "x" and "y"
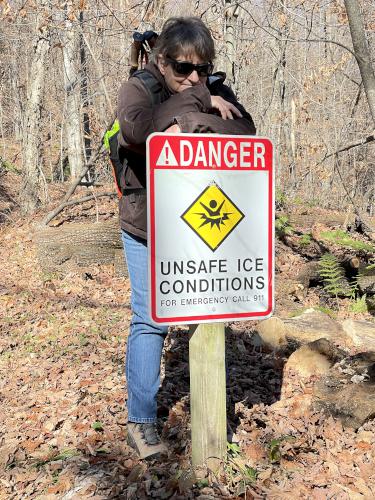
{"x": 100, "y": 75}
{"x": 146, "y": 6}
{"x": 231, "y": 15}
{"x": 84, "y": 92}
{"x": 2, "y": 134}
{"x": 71, "y": 74}
{"x": 32, "y": 139}
{"x": 18, "y": 99}
{"x": 123, "y": 38}
{"x": 362, "y": 52}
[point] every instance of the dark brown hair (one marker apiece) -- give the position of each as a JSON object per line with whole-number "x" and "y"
{"x": 184, "y": 36}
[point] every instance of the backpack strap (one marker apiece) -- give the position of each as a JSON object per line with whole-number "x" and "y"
{"x": 152, "y": 85}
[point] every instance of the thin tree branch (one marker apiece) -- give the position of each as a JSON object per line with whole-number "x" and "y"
{"x": 113, "y": 14}
{"x": 73, "y": 186}
{"x": 366, "y": 140}
{"x": 337, "y": 169}
{"x": 88, "y": 198}
{"x": 108, "y": 100}
{"x": 297, "y": 40}
{"x": 71, "y": 203}
{"x": 356, "y": 101}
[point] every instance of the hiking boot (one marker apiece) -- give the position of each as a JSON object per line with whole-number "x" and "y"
{"x": 145, "y": 440}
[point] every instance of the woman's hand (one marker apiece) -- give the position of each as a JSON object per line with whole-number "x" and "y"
{"x": 227, "y": 109}
{"x": 173, "y": 129}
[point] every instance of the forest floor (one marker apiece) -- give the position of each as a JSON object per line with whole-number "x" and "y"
{"x": 63, "y": 392}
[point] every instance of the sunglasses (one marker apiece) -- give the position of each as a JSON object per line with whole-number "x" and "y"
{"x": 185, "y": 68}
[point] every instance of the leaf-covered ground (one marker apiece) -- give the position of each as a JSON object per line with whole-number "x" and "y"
{"x": 62, "y": 391}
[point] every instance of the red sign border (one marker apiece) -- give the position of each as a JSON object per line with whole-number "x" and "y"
{"x": 152, "y": 233}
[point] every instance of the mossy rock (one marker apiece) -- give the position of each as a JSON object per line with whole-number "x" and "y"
{"x": 340, "y": 237}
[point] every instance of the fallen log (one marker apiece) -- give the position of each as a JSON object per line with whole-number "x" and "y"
{"x": 329, "y": 219}
{"x": 72, "y": 246}
{"x": 306, "y": 221}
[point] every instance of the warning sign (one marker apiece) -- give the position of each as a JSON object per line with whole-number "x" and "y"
{"x": 213, "y": 216}
{"x": 166, "y": 157}
{"x": 210, "y": 227}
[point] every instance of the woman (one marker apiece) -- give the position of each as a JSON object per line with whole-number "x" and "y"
{"x": 184, "y": 97}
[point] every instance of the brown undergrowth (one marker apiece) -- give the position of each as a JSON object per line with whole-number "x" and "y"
{"x": 63, "y": 425}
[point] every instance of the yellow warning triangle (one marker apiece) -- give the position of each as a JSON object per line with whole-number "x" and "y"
{"x": 213, "y": 216}
{"x": 166, "y": 157}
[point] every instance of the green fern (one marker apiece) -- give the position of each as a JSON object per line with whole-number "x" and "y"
{"x": 333, "y": 275}
{"x": 305, "y": 239}
{"x": 359, "y": 305}
{"x": 283, "y": 226}
{"x": 280, "y": 199}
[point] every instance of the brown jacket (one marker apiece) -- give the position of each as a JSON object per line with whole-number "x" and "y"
{"x": 138, "y": 117}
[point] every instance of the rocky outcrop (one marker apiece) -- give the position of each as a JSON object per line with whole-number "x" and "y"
{"x": 343, "y": 385}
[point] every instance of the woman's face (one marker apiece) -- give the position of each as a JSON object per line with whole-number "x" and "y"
{"x": 179, "y": 82}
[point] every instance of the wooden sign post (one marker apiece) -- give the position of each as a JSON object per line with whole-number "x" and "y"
{"x": 208, "y": 395}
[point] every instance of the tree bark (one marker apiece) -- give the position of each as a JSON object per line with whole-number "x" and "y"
{"x": 84, "y": 91}
{"x": 77, "y": 245}
{"x": 231, "y": 15}
{"x": 362, "y": 52}
{"x": 71, "y": 75}
{"x": 32, "y": 140}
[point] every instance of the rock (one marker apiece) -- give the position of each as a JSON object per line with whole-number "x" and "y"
{"x": 272, "y": 332}
{"x": 370, "y": 301}
{"x": 328, "y": 349}
{"x": 347, "y": 392}
{"x": 310, "y": 326}
{"x": 366, "y": 280}
{"x": 309, "y": 274}
{"x": 313, "y": 325}
{"x": 307, "y": 362}
{"x": 313, "y": 359}
{"x": 351, "y": 404}
{"x": 362, "y": 333}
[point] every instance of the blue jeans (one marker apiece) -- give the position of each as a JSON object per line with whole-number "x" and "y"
{"x": 146, "y": 338}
